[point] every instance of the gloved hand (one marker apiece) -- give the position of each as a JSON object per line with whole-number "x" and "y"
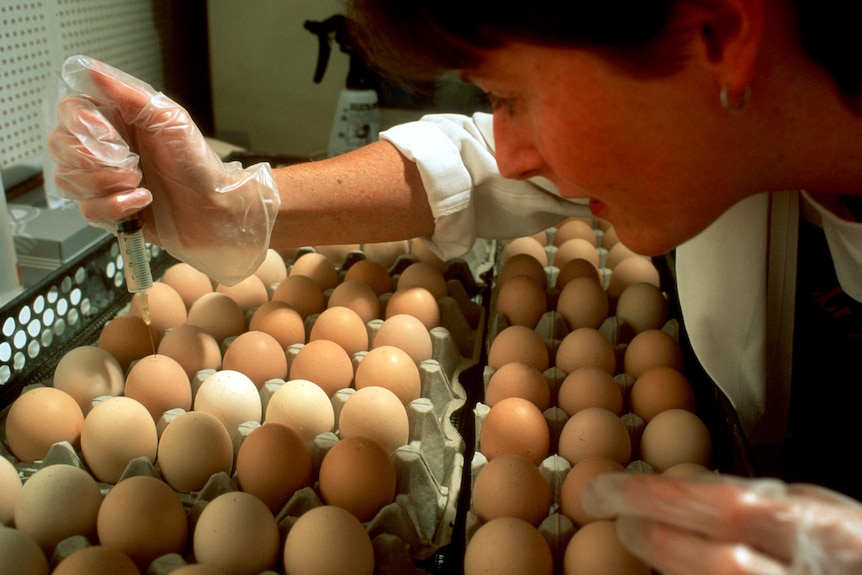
{"x": 121, "y": 147}
{"x": 720, "y": 524}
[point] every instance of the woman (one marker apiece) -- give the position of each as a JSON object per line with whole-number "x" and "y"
{"x": 682, "y": 122}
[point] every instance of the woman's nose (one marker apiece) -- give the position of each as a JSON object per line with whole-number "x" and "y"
{"x": 515, "y": 150}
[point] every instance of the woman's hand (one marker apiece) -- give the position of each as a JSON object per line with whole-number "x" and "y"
{"x": 123, "y": 148}
{"x": 722, "y": 524}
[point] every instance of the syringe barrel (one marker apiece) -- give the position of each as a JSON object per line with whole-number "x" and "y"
{"x": 136, "y": 257}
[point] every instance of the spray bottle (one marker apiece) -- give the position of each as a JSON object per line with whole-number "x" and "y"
{"x": 357, "y": 115}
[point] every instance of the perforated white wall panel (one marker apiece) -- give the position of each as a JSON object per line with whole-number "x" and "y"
{"x": 37, "y": 35}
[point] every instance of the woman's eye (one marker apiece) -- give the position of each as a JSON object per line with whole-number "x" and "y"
{"x": 499, "y": 103}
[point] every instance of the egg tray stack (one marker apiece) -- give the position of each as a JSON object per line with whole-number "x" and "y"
{"x": 415, "y": 532}
{"x": 430, "y": 467}
{"x": 729, "y": 448}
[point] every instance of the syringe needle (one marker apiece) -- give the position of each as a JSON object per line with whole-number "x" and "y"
{"x": 139, "y": 278}
{"x": 145, "y": 312}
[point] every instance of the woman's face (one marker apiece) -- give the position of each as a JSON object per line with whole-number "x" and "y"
{"x": 651, "y": 153}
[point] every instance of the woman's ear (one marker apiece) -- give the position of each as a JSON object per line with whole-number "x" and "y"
{"x": 731, "y": 34}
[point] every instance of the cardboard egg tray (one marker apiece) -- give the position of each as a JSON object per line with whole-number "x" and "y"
{"x": 410, "y": 534}
{"x": 730, "y": 448}
{"x": 730, "y": 452}
{"x": 556, "y": 527}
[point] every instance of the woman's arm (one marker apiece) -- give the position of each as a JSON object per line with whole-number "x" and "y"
{"x": 373, "y": 194}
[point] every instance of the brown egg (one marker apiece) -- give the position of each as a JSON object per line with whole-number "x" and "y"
{"x": 508, "y": 545}
{"x": 249, "y": 293}
{"x": 643, "y": 306}
{"x": 420, "y": 250}
{"x": 325, "y": 363}
{"x": 158, "y": 383}
{"x": 19, "y": 553}
{"x": 652, "y": 348}
{"x": 301, "y": 293}
{"x": 525, "y": 245}
{"x": 257, "y": 355}
{"x": 686, "y": 470}
{"x": 576, "y": 248}
{"x": 358, "y": 296}
{"x": 585, "y": 347}
{"x": 144, "y": 518}
{"x": 618, "y": 253}
{"x": 272, "y": 270}
{"x": 522, "y": 301}
{"x": 515, "y": 426}
{"x": 590, "y": 387}
{"x": 97, "y": 560}
{"x": 408, "y": 333}
{"x": 167, "y": 307}
{"x": 376, "y": 413}
{"x": 581, "y": 474}
{"x": 218, "y": 314}
{"x": 192, "y": 447}
{"x": 317, "y": 267}
{"x": 390, "y": 367}
{"x": 577, "y": 268}
{"x": 609, "y": 238}
{"x": 658, "y": 389}
{"x": 39, "y": 418}
{"x": 279, "y": 320}
{"x": 340, "y": 542}
{"x": 192, "y": 347}
{"x": 386, "y": 253}
{"x": 518, "y": 343}
{"x": 357, "y": 474}
{"x": 523, "y": 265}
{"x": 631, "y": 271}
{"x": 595, "y": 431}
{"x": 595, "y": 549}
{"x": 128, "y": 339}
{"x": 676, "y": 436}
{"x": 54, "y": 487}
{"x": 517, "y": 379}
{"x": 272, "y": 463}
{"x": 343, "y": 326}
{"x": 542, "y": 236}
{"x": 116, "y": 431}
{"x": 415, "y": 301}
{"x": 583, "y": 303}
{"x": 511, "y": 486}
{"x": 575, "y": 228}
{"x": 304, "y": 406}
{"x": 372, "y": 274}
{"x": 217, "y": 541}
{"x": 10, "y": 488}
{"x": 190, "y": 283}
{"x": 87, "y": 372}
{"x": 421, "y": 274}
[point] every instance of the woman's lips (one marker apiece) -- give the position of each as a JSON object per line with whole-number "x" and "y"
{"x": 597, "y": 208}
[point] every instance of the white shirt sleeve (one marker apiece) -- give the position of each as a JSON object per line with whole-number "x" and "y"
{"x": 844, "y": 238}
{"x": 468, "y": 196}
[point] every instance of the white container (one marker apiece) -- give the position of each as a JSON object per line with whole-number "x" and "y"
{"x": 356, "y": 122}
{"x": 10, "y": 274}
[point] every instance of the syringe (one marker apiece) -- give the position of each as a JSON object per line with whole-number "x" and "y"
{"x": 136, "y": 264}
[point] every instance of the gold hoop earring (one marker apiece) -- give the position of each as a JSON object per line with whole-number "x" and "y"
{"x": 734, "y": 108}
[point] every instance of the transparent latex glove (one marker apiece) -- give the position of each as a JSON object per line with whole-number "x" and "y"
{"x": 122, "y": 148}
{"x": 714, "y": 524}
